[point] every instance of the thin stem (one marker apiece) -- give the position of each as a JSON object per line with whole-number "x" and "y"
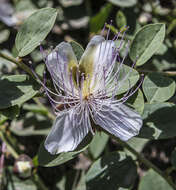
{"x": 147, "y": 163}
{"x": 19, "y": 63}
{"x": 49, "y": 114}
{"x": 167, "y": 73}
{"x": 9, "y": 147}
{"x": 75, "y": 180}
{"x": 39, "y": 182}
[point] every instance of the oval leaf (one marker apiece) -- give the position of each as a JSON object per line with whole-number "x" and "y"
{"x": 16, "y": 89}
{"x": 153, "y": 181}
{"x": 137, "y": 101}
{"x": 128, "y": 77}
{"x": 77, "y": 49}
{"x": 158, "y": 88}
{"x": 120, "y": 19}
{"x": 111, "y": 171}
{"x": 158, "y": 121}
{"x": 146, "y": 42}
{"x": 98, "y": 144}
{"x": 34, "y": 30}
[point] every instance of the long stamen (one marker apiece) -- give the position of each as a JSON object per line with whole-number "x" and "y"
{"x": 102, "y": 32}
{"x": 107, "y": 37}
{"x": 71, "y": 82}
{"x": 122, "y": 39}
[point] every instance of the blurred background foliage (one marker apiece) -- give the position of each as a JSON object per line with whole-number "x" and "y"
{"x": 26, "y": 116}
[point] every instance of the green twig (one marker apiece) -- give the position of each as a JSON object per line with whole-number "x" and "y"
{"x": 19, "y": 63}
{"x": 9, "y": 147}
{"x": 171, "y": 26}
{"x": 167, "y": 73}
{"x": 39, "y": 182}
{"x": 147, "y": 163}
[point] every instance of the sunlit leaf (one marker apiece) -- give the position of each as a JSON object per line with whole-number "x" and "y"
{"x": 16, "y": 89}
{"x": 138, "y": 144}
{"x": 34, "y": 30}
{"x": 158, "y": 88}
{"x": 152, "y": 180}
{"x": 111, "y": 171}
{"x": 158, "y": 121}
{"x": 128, "y": 77}
{"x": 146, "y": 42}
{"x": 98, "y": 144}
{"x": 121, "y": 19}
{"x": 78, "y": 49}
{"x": 137, "y": 101}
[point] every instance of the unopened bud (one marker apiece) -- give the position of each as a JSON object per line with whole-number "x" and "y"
{"x": 144, "y": 18}
{"x": 23, "y": 166}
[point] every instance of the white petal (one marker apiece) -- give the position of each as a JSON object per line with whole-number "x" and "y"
{"x": 119, "y": 120}
{"x": 97, "y": 39}
{"x": 67, "y": 132}
{"x": 104, "y": 60}
{"x": 87, "y": 59}
{"x": 97, "y": 58}
{"x": 58, "y": 63}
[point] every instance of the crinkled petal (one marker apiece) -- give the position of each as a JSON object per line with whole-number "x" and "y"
{"x": 87, "y": 60}
{"x": 98, "y": 61}
{"x": 68, "y": 131}
{"x": 60, "y": 62}
{"x": 119, "y": 120}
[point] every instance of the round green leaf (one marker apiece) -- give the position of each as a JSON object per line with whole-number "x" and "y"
{"x": 146, "y": 42}
{"x": 137, "y": 101}
{"x": 123, "y": 3}
{"x": 120, "y": 19}
{"x": 128, "y": 77}
{"x": 158, "y": 121}
{"x": 34, "y": 30}
{"x": 111, "y": 171}
{"x": 138, "y": 144}
{"x": 16, "y": 89}
{"x": 153, "y": 181}
{"x": 158, "y": 88}
{"x": 98, "y": 144}
{"x": 77, "y": 49}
